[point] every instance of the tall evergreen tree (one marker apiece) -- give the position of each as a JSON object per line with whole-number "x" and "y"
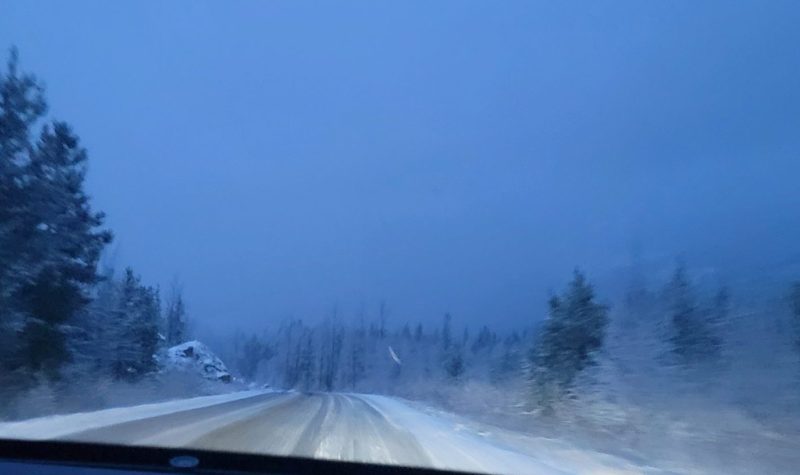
{"x": 573, "y": 333}
{"x": 22, "y": 104}
{"x": 137, "y": 329}
{"x": 692, "y": 333}
{"x": 49, "y": 237}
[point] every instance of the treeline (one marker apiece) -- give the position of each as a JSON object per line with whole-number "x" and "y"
{"x": 350, "y": 354}
{"x": 678, "y": 333}
{"x": 57, "y": 313}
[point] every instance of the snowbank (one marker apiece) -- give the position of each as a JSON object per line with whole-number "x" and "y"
{"x": 51, "y": 427}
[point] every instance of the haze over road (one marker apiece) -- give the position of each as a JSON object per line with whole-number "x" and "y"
{"x": 354, "y": 427}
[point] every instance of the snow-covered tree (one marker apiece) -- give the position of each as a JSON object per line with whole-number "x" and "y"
{"x": 573, "y": 333}
{"x": 50, "y": 239}
{"x": 136, "y": 337}
{"x": 692, "y": 331}
{"x": 22, "y": 104}
{"x": 509, "y": 364}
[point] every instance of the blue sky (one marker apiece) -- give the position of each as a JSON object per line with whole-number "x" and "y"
{"x": 282, "y": 157}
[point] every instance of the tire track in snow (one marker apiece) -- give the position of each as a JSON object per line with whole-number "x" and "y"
{"x": 397, "y": 445}
{"x": 312, "y": 434}
{"x": 276, "y": 430}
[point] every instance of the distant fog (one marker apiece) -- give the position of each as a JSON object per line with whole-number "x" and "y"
{"x": 461, "y": 157}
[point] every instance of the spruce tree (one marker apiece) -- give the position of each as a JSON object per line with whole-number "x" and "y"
{"x": 50, "y": 239}
{"x": 136, "y": 337}
{"x": 692, "y": 334}
{"x": 572, "y": 335}
{"x": 22, "y": 104}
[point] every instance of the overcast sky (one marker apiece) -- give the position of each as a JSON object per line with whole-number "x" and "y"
{"x": 280, "y": 157}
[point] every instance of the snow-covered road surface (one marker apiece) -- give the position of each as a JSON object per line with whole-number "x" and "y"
{"x": 351, "y": 427}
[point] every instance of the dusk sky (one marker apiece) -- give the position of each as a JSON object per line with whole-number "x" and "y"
{"x": 284, "y": 157}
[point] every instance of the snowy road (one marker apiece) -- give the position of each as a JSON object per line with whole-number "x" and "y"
{"x": 335, "y": 426}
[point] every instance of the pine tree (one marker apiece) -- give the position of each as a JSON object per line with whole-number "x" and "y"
{"x": 692, "y": 335}
{"x": 22, "y": 104}
{"x": 573, "y": 333}
{"x": 49, "y": 237}
{"x": 100, "y": 322}
{"x": 136, "y": 337}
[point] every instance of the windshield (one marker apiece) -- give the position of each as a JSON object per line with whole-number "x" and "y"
{"x": 502, "y": 237}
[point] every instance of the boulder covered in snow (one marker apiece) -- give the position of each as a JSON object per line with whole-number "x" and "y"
{"x": 194, "y": 356}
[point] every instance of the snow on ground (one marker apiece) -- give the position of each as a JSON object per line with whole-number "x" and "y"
{"x": 355, "y": 427}
{"x": 51, "y": 427}
{"x": 454, "y": 442}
